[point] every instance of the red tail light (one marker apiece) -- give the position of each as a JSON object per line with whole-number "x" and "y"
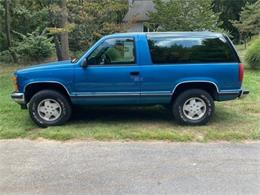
{"x": 241, "y": 72}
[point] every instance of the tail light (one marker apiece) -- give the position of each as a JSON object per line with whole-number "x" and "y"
{"x": 241, "y": 71}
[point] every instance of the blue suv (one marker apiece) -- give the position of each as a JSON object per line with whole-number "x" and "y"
{"x": 184, "y": 71}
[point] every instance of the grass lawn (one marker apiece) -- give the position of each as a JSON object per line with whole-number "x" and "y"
{"x": 234, "y": 120}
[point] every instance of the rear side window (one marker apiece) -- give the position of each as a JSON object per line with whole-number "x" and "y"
{"x": 177, "y": 50}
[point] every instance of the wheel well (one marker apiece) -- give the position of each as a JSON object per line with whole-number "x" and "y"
{"x": 32, "y": 89}
{"x": 209, "y": 87}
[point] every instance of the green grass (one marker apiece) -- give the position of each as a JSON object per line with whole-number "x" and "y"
{"x": 241, "y": 50}
{"x": 233, "y": 120}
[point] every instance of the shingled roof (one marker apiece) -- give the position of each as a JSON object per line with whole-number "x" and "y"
{"x": 138, "y": 11}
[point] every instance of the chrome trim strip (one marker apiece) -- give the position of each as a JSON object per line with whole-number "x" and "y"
{"x": 230, "y": 91}
{"x": 147, "y": 93}
{"x": 96, "y": 94}
{"x": 156, "y": 93}
{"x": 56, "y": 82}
{"x": 103, "y": 94}
{"x": 196, "y": 81}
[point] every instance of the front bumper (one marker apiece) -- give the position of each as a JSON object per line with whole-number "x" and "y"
{"x": 18, "y": 98}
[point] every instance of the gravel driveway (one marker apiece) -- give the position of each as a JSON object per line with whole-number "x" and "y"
{"x": 92, "y": 167}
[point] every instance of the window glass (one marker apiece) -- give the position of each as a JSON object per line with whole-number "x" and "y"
{"x": 174, "y": 50}
{"x": 113, "y": 51}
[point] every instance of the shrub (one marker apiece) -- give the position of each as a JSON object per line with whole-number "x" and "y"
{"x": 252, "y": 56}
{"x": 77, "y": 54}
{"x": 5, "y": 56}
{"x": 3, "y": 42}
{"x": 34, "y": 47}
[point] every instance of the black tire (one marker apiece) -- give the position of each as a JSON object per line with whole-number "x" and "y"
{"x": 64, "y": 108}
{"x": 182, "y": 116}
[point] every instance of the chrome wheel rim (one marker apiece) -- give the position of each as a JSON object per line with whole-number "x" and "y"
{"x": 49, "y": 110}
{"x": 194, "y": 108}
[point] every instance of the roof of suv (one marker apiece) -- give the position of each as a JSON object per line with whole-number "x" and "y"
{"x": 188, "y": 34}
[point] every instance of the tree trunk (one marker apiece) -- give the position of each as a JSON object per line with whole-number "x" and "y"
{"x": 8, "y": 29}
{"x": 62, "y": 48}
{"x": 8, "y": 23}
{"x": 58, "y": 47}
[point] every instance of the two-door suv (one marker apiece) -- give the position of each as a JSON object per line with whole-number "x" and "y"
{"x": 184, "y": 71}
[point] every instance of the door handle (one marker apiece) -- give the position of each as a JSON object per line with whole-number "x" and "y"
{"x": 134, "y": 73}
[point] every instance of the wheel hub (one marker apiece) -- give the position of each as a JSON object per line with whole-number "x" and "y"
{"x": 194, "y": 108}
{"x": 49, "y": 109}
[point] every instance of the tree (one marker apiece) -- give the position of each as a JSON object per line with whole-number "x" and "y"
{"x": 184, "y": 15}
{"x": 35, "y": 46}
{"x": 31, "y": 15}
{"x": 59, "y": 27}
{"x": 8, "y": 23}
{"x": 73, "y": 24}
{"x": 8, "y": 29}
{"x": 249, "y": 23}
{"x": 93, "y": 19}
{"x": 62, "y": 38}
{"x": 230, "y": 10}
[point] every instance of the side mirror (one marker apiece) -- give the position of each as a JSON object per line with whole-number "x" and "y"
{"x": 84, "y": 63}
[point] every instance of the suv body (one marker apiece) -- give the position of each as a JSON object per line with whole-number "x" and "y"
{"x": 137, "y": 69}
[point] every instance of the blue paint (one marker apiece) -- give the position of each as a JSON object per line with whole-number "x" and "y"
{"x": 113, "y": 84}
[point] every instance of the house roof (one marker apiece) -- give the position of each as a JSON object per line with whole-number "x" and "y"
{"x": 138, "y": 11}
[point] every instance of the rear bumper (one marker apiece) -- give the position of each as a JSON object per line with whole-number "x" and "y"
{"x": 225, "y": 96}
{"x": 243, "y": 93}
{"x": 18, "y": 98}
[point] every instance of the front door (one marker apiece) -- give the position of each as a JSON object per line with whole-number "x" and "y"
{"x": 111, "y": 75}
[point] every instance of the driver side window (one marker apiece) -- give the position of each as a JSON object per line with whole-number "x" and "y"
{"x": 113, "y": 51}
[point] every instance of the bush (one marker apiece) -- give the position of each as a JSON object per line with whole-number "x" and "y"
{"x": 34, "y": 47}
{"x": 5, "y": 56}
{"x": 77, "y": 54}
{"x": 252, "y": 56}
{"x": 3, "y": 42}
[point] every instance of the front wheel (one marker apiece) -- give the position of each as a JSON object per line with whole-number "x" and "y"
{"x": 193, "y": 107}
{"x": 49, "y": 108}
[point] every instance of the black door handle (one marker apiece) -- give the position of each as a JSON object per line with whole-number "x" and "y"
{"x": 135, "y": 73}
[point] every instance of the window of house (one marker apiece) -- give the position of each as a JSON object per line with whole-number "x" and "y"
{"x": 114, "y": 51}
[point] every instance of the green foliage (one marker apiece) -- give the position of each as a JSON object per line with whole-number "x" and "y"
{"x": 230, "y": 10}
{"x": 252, "y": 56}
{"x": 29, "y": 15}
{"x": 249, "y": 22}
{"x": 76, "y": 54}
{"x": 34, "y": 47}
{"x": 88, "y": 21}
{"x": 2, "y": 41}
{"x": 5, "y": 56}
{"x": 185, "y": 15}
{"x": 93, "y": 19}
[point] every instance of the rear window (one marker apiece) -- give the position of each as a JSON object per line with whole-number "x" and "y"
{"x": 177, "y": 50}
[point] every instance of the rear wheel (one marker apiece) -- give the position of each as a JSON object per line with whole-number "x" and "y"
{"x": 49, "y": 108}
{"x": 193, "y": 107}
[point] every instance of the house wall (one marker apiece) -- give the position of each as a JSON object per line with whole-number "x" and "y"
{"x": 136, "y": 27}
{"x": 130, "y": 2}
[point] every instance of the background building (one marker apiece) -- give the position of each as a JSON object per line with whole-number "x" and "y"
{"x": 137, "y": 15}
